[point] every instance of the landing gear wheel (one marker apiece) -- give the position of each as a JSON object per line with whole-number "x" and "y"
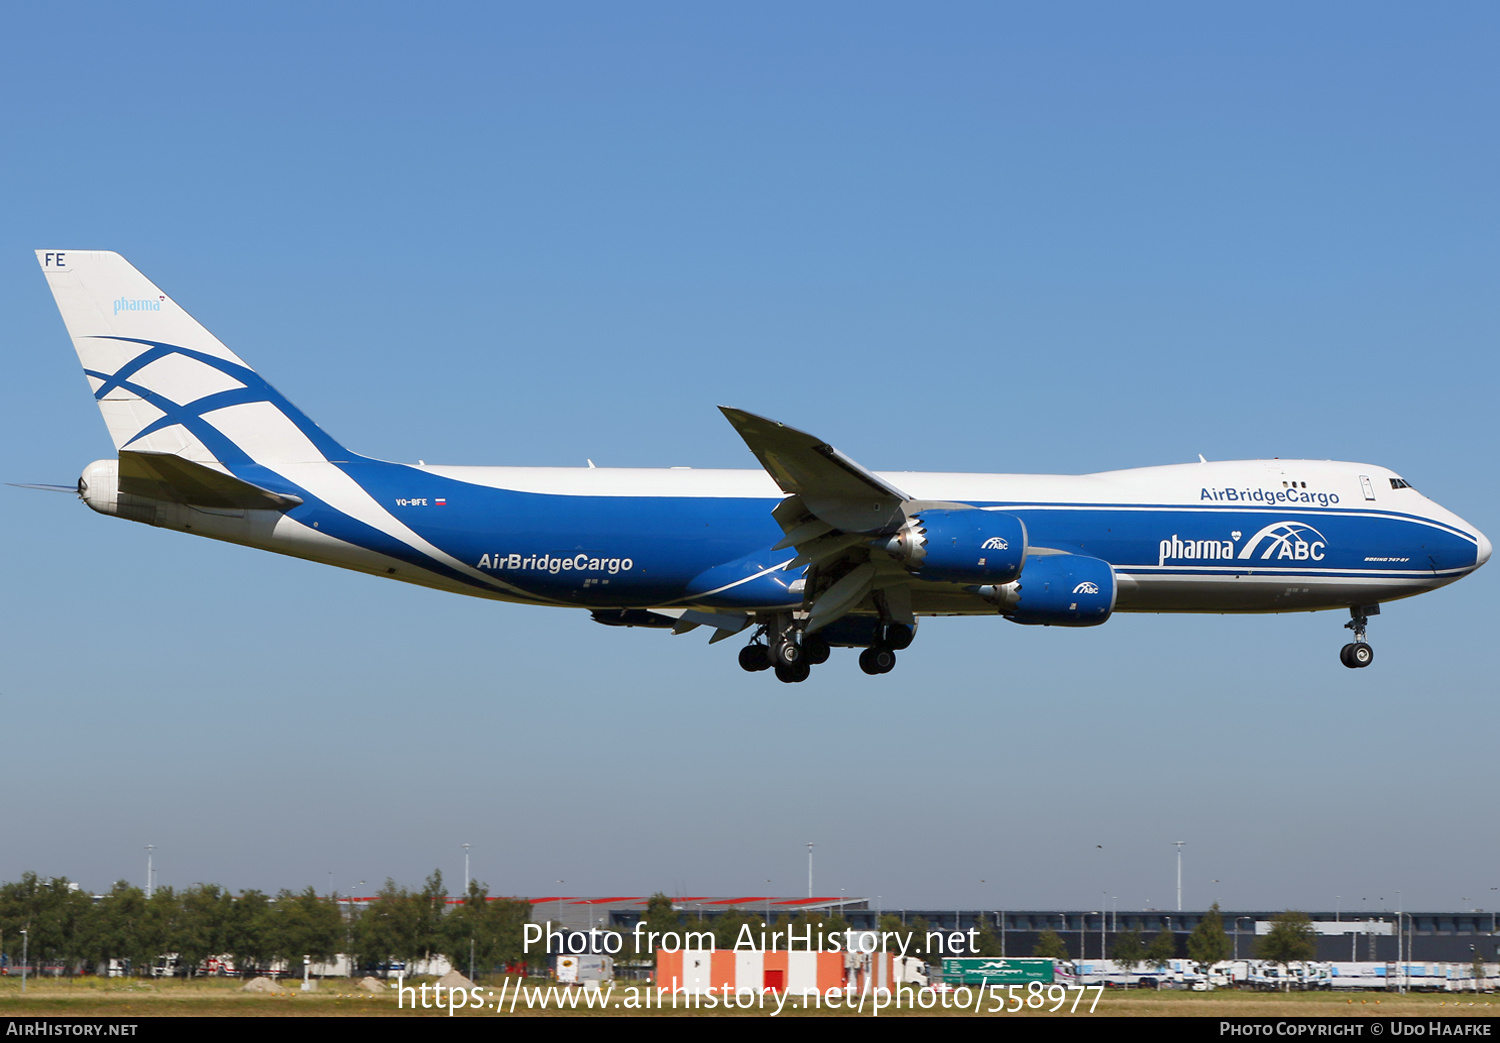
{"x": 877, "y": 660}
{"x": 1358, "y": 653}
{"x": 898, "y": 636}
{"x": 815, "y": 649}
{"x": 786, "y": 652}
{"x": 755, "y": 658}
{"x": 793, "y": 673}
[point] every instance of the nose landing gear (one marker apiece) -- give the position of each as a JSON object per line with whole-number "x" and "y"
{"x": 1358, "y": 652}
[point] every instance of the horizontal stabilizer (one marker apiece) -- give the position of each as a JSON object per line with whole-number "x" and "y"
{"x": 162, "y": 476}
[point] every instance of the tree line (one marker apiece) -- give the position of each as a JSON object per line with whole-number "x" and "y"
{"x": 1290, "y": 939}
{"x": 69, "y": 929}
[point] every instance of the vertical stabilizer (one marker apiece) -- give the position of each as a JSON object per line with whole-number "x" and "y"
{"x": 163, "y": 382}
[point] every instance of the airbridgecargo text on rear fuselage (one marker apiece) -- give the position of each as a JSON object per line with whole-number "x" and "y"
{"x": 551, "y": 563}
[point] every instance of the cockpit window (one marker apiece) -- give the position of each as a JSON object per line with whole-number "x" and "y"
{"x": 1399, "y": 483}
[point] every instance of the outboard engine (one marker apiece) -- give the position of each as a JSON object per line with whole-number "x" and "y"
{"x": 1065, "y": 590}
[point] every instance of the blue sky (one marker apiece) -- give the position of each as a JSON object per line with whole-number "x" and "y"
{"x": 972, "y": 237}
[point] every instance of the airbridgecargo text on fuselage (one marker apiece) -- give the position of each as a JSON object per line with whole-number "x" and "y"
{"x": 1269, "y": 496}
{"x": 554, "y": 564}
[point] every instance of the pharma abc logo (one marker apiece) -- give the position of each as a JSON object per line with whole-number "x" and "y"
{"x": 1293, "y": 540}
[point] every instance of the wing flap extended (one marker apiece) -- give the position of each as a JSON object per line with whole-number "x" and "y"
{"x": 163, "y": 476}
{"x": 842, "y": 597}
{"x": 816, "y": 551}
{"x": 803, "y": 532}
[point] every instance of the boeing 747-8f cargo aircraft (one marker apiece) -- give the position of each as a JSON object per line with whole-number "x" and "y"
{"x": 813, "y": 551}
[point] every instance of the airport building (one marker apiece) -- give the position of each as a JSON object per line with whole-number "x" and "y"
{"x": 1342, "y": 935}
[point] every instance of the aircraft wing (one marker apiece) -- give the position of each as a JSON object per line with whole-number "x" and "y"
{"x": 834, "y": 515}
{"x": 802, "y": 463}
{"x": 835, "y": 489}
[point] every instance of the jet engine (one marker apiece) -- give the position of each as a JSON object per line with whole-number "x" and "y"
{"x": 961, "y": 546}
{"x": 1064, "y": 590}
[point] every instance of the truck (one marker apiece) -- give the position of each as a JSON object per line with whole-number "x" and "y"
{"x": 586, "y": 968}
{"x": 1004, "y": 970}
{"x": 910, "y": 970}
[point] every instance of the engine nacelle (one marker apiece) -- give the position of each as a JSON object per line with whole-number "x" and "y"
{"x": 962, "y": 546}
{"x": 1061, "y": 590}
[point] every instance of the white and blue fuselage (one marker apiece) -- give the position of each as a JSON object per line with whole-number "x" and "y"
{"x": 810, "y": 543}
{"x": 1205, "y": 537}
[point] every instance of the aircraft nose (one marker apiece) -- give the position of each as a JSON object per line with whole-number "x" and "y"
{"x": 1484, "y": 550}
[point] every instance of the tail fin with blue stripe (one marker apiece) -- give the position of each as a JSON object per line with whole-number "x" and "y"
{"x": 163, "y": 382}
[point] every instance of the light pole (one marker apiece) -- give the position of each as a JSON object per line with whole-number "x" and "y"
{"x": 809, "y": 870}
{"x": 1179, "y": 844}
{"x": 149, "y": 848}
{"x": 1237, "y": 920}
{"x": 1401, "y": 955}
{"x": 25, "y": 940}
{"x": 349, "y": 927}
{"x": 466, "y": 868}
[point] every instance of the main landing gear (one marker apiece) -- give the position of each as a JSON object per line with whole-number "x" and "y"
{"x": 793, "y": 654}
{"x": 778, "y": 649}
{"x": 1358, "y": 652}
{"x": 877, "y": 660}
